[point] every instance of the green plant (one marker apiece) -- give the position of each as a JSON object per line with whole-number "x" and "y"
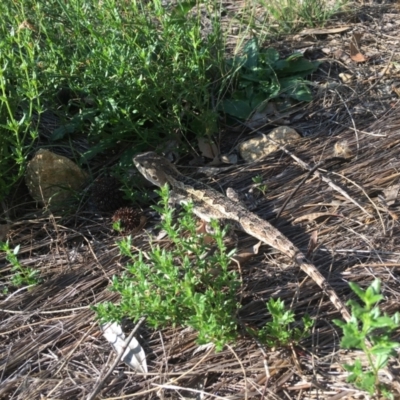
{"x": 190, "y": 284}
{"x": 279, "y": 331}
{"x": 125, "y": 74}
{"x": 20, "y": 92}
{"x": 22, "y": 275}
{"x": 370, "y": 332}
{"x": 263, "y": 76}
{"x": 260, "y": 185}
{"x": 287, "y": 16}
{"x": 117, "y": 226}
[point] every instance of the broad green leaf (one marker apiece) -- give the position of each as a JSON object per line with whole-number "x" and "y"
{"x": 294, "y": 57}
{"x": 270, "y": 56}
{"x": 270, "y": 89}
{"x": 300, "y": 67}
{"x": 367, "y": 382}
{"x": 259, "y": 101}
{"x": 237, "y": 108}
{"x": 251, "y": 50}
{"x": 60, "y": 132}
{"x": 251, "y": 76}
{"x": 296, "y": 88}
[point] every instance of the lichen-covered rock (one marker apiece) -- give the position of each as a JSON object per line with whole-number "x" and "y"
{"x": 52, "y": 178}
{"x": 259, "y": 147}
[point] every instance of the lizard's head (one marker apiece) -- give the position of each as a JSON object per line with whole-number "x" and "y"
{"x": 154, "y": 168}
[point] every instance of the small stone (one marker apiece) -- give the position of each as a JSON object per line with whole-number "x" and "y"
{"x": 229, "y": 158}
{"x": 52, "y": 178}
{"x": 259, "y": 147}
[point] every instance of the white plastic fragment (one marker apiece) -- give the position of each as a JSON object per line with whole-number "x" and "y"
{"x": 134, "y": 355}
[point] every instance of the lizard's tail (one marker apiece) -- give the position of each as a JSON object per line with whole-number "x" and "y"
{"x": 314, "y": 274}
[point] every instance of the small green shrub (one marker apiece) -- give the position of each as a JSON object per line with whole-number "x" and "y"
{"x": 279, "y": 331}
{"x": 189, "y": 284}
{"x": 260, "y": 185}
{"x": 262, "y": 76}
{"x": 121, "y": 73}
{"x": 368, "y": 325}
{"x": 22, "y": 275}
{"x": 20, "y": 92}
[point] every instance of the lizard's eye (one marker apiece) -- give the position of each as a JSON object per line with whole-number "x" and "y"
{"x": 154, "y": 177}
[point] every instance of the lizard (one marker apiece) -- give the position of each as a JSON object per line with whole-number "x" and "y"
{"x": 210, "y": 204}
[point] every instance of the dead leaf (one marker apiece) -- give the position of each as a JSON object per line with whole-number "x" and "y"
{"x": 391, "y": 194}
{"x": 229, "y": 158}
{"x": 26, "y": 25}
{"x": 396, "y": 90}
{"x": 342, "y": 149}
{"x": 346, "y": 78}
{"x": 207, "y": 147}
{"x": 355, "y": 52}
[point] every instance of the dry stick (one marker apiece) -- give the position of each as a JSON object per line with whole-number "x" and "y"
{"x": 351, "y": 118}
{"x": 366, "y": 195}
{"x": 175, "y": 387}
{"x": 67, "y": 358}
{"x": 310, "y": 172}
{"x": 101, "y": 383}
{"x": 243, "y": 370}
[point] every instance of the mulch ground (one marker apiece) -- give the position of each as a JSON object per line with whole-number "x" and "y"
{"x": 51, "y": 345}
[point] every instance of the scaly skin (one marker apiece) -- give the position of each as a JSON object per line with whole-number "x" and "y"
{"x": 210, "y": 204}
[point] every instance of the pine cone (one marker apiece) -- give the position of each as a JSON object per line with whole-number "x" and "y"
{"x": 131, "y": 220}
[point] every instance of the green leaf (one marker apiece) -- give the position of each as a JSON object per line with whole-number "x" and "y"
{"x": 237, "y": 108}
{"x": 270, "y": 88}
{"x": 60, "y": 132}
{"x": 270, "y": 56}
{"x": 252, "y": 76}
{"x": 294, "y": 57}
{"x": 376, "y": 286}
{"x": 352, "y": 337}
{"x": 182, "y": 8}
{"x": 299, "y": 67}
{"x": 296, "y": 89}
{"x": 384, "y": 322}
{"x": 357, "y": 290}
{"x": 251, "y": 50}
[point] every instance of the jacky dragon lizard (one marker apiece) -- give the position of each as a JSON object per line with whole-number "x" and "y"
{"x": 210, "y": 204}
